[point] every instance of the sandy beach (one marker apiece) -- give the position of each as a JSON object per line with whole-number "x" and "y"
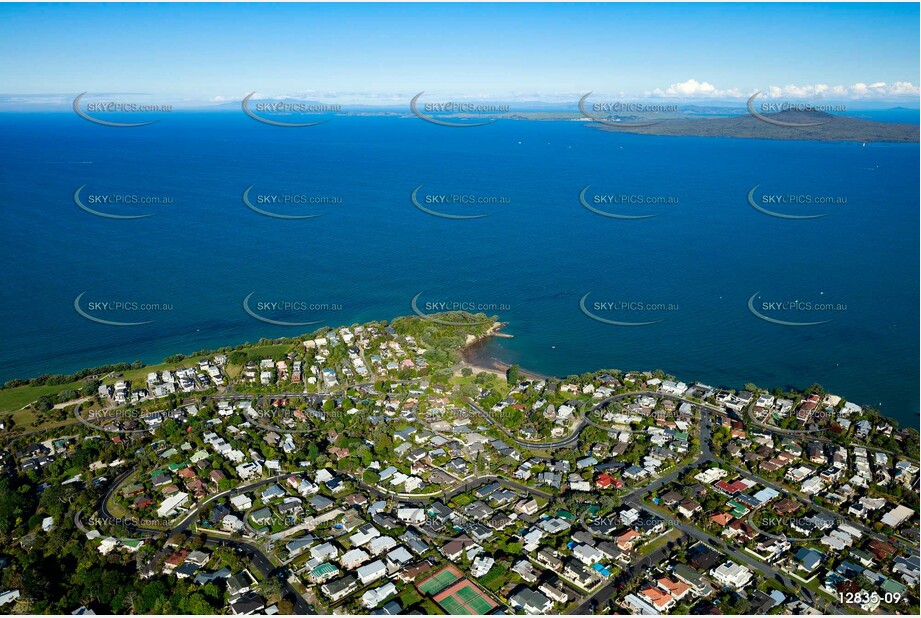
{"x": 477, "y": 357}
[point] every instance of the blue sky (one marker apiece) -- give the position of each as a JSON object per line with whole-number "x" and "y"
{"x": 381, "y": 52}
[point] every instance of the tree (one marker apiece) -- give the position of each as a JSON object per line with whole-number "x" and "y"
{"x": 150, "y": 595}
{"x": 17, "y": 501}
{"x": 285, "y": 607}
{"x": 364, "y": 454}
{"x": 43, "y": 404}
{"x": 469, "y": 391}
{"x": 66, "y": 395}
{"x": 512, "y": 374}
{"x": 270, "y": 587}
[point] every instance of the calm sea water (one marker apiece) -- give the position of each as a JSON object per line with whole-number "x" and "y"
{"x": 534, "y": 257}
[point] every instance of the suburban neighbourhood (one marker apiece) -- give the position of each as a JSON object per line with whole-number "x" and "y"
{"x": 371, "y": 470}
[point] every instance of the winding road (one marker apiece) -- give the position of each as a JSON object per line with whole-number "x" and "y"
{"x": 634, "y": 498}
{"x": 259, "y": 560}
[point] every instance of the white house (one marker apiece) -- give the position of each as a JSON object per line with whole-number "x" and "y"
{"x": 231, "y": 523}
{"x": 371, "y": 572}
{"x": 241, "y": 502}
{"x": 353, "y": 558}
{"x": 323, "y": 552}
{"x": 373, "y": 598}
{"x": 731, "y": 574}
{"x": 171, "y": 504}
{"x": 411, "y": 515}
{"x": 8, "y": 597}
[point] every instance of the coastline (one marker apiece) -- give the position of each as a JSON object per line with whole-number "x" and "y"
{"x": 476, "y": 358}
{"x": 474, "y": 355}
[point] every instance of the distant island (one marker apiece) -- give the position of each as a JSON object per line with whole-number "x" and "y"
{"x": 833, "y": 128}
{"x": 709, "y": 122}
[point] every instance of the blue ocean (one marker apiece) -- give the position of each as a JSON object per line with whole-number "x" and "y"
{"x": 691, "y": 274}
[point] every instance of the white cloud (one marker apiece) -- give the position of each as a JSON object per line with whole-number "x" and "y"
{"x": 876, "y": 90}
{"x": 694, "y": 88}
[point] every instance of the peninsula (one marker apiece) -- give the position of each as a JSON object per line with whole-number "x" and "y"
{"x": 373, "y": 469}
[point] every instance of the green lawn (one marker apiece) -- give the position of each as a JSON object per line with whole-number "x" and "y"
{"x": 462, "y": 500}
{"x": 655, "y": 544}
{"x": 136, "y": 376}
{"x": 429, "y": 608}
{"x": 496, "y": 578}
{"x": 25, "y": 417}
{"x": 409, "y": 597}
{"x": 12, "y": 399}
{"x": 271, "y": 350}
{"x": 115, "y": 508}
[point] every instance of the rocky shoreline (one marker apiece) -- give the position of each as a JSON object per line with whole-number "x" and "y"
{"x": 476, "y": 357}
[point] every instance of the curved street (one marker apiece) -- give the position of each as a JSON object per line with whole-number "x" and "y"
{"x": 633, "y": 498}
{"x": 259, "y": 560}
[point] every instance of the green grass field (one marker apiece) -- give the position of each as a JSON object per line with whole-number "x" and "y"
{"x": 409, "y": 597}
{"x": 661, "y": 541}
{"x": 430, "y": 608}
{"x": 495, "y": 579}
{"x": 12, "y": 399}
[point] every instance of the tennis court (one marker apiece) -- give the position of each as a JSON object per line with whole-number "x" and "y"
{"x": 464, "y": 598}
{"x": 440, "y": 580}
{"x": 453, "y": 607}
